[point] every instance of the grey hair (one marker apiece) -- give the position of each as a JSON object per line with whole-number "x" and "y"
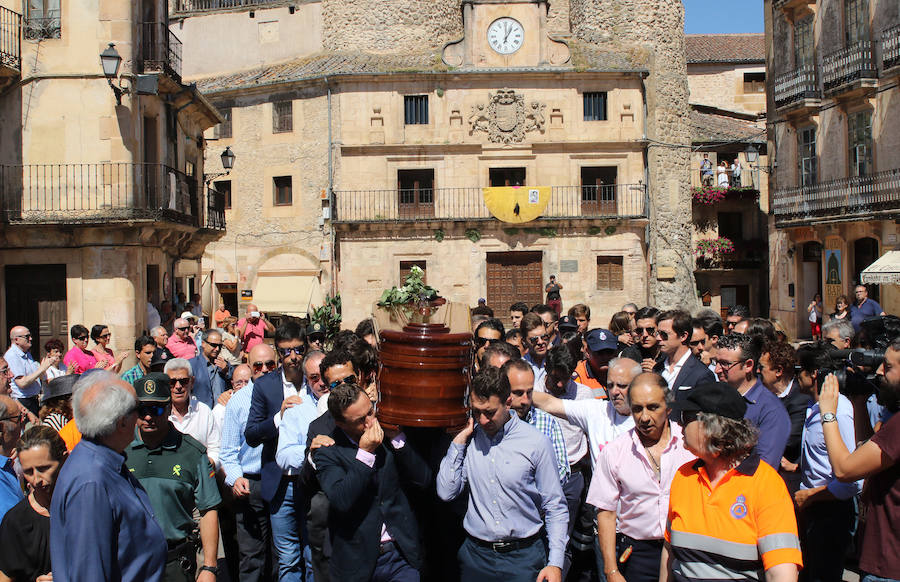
{"x": 178, "y": 364}
{"x": 108, "y": 405}
{"x": 155, "y": 331}
{"x": 844, "y": 328}
{"x": 632, "y": 305}
{"x": 310, "y": 355}
{"x": 634, "y": 371}
{"x": 204, "y": 335}
{"x": 729, "y": 439}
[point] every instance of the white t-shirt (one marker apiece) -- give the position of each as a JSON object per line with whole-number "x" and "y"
{"x": 599, "y": 419}
{"x": 576, "y": 441}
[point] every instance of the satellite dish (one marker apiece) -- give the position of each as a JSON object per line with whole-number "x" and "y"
{"x": 516, "y": 204}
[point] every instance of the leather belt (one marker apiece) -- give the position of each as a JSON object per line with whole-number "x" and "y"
{"x": 507, "y": 545}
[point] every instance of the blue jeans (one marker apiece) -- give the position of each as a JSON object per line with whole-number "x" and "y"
{"x": 294, "y": 559}
{"x": 874, "y": 578}
{"x": 485, "y": 565}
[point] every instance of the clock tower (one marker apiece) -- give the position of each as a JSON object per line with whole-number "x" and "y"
{"x": 505, "y": 34}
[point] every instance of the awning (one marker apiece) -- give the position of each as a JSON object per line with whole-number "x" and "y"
{"x": 884, "y": 271}
{"x": 287, "y": 294}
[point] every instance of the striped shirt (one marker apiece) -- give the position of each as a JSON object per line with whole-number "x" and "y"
{"x": 548, "y": 425}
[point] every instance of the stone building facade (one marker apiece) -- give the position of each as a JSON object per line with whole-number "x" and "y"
{"x": 101, "y": 181}
{"x": 410, "y": 133}
{"x": 835, "y": 125}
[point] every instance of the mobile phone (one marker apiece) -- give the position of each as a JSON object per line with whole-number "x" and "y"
{"x": 254, "y": 314}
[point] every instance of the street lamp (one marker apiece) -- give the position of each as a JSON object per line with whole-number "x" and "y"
{"x": 110, "y": 61}
{"x": 752, "y": 154}
{"x": 227, "y": 163}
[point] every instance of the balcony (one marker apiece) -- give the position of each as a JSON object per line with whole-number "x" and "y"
{"x": 10, "y": 45}
{"x": 212, "y": 5}
{"x": 619, "y": 201}
{"x": 160, "y": 50}
{"x": 748, "y": 254}
{"x": 890, "y": 50}
{"x": 798, "y": 89}
{"x": 850, "y": 69}
{"x": 866, "y": 197}
{"x": 99, "y": 194}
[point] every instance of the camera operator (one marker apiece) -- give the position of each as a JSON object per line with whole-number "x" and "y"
{"x": 878, "y": 460}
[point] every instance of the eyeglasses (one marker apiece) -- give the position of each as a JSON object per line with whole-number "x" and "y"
{"x": 663, "y": 335}
{"x": 727, "y": 366}
{"x": 687, "y": 417}
{"x": 695, "y": 343}
{"x": 285, "y": 352}
{"x": 182, "y": 328}
{"x": 316, "y": 338}
{"x": 642, "y": 330}
{"x": 270, "y": 365}
{"x": 480, "y": 341}
{"x": 214, "y": 346}
{"x": 151, "y": 410}
{"x": 26, "y": 336}
{"x": 81, "y": 338}
{"x": 345, "y": 380}
{"x": 535, "y": 339}
{"x": 181, "y": 381}
{"x": 106, "y": 335}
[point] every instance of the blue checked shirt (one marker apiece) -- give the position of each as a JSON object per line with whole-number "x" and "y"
{"x": 235, "y": 455}
{"x": 549, "y": 427}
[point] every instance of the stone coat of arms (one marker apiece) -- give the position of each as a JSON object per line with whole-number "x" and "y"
{"x": 506, "y": 118}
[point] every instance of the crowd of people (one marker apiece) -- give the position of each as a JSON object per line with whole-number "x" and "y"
{"x": 724, "y": 175}
{"x": 663, "y": 446}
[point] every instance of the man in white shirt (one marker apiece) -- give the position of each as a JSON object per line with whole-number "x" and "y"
{"x": 680, "y": 371}
{"x": 189, "y": 415}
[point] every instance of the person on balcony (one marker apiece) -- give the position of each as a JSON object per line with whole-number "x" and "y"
{"x": 722, "y": 174}
{"x": 706, "y": 171}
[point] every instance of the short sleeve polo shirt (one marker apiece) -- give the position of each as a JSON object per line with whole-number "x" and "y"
{"x": 177, "y": 476}
{"x": 735, "y": 530}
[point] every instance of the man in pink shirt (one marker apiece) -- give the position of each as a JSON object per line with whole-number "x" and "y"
{"x": 181, "y": 344}
{"x": 631, "y": 481}
{"x": 253, "y": 327}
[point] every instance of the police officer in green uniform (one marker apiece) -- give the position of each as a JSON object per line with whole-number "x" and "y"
{"x": 179, "y": 478}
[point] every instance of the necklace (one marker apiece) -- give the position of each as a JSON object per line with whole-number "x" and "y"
{"x": 655, "y": 463}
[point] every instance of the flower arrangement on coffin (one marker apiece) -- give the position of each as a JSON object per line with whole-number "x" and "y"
{"x": 714, "y": 248}
{"x": 414, "y": 300}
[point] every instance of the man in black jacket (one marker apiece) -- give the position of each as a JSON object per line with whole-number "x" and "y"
{"x": 680, "y": 369}
{"x": 374, "y": 534}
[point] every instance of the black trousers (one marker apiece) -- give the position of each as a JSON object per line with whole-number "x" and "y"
{"x": 319, "y": 543}
{"x": 254, "y": 536}
{"x": 824, "y": 538}
{"x": 643, "y": 563}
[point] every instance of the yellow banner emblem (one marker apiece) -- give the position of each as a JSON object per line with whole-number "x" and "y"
{"x": 517, "y": 204}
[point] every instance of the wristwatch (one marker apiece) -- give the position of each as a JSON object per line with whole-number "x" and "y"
{"x": 213, "y": 569}
{"x": 829, "y": 417}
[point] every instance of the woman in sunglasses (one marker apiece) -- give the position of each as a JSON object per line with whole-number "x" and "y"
{"x": 730, "y": 514}
{"x": 82, "y": 358}
{"x": 105, "y": 357}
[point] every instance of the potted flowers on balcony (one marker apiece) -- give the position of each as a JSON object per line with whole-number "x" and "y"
{"x": 712, "y": 252}
{"x": 709, "y": 195}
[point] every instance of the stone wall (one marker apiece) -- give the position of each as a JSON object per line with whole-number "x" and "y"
{"x": 656, "y": 27}
{"x": 722, "y": 86}
{"x": 395, "y": 26}
{"x": 558, "y": 17}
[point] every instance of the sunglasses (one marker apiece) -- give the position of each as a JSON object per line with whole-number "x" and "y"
{"x": 648, "y": 330}
{"x": 151, "y": 410}
{"x": 214, "y": 346}
{"x": 695, "y": 343}
{"x": 346, "y": 380}
{"x": 81, "y": 338}
{"x": 182, "y": 328}
{"x": 285, "y": 352}
{"x": 664, "y": 336}
{"x": 542, "y": 338}
{"x": 26, "y": 336}
{"x": 270, "y": 365}
{"x": 480, "y": 341}
{"x": 687, "y": 417}
{"x": 316, "y": 338}
{"x": 106, "y": 335}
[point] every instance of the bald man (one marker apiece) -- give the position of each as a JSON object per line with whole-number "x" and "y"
{"x": 27, "y": 373}
{"x": 181, "y": 344}
{"x": 252, "y": 328}
{"x": 102, "y": 522}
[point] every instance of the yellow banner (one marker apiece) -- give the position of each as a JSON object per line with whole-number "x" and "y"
{"x": 517, "y": 204}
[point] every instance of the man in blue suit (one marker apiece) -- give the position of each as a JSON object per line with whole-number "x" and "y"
{"x": 374, "y": 534}
{"x": 211, "y": 372}
{"x": 273, "y": 393}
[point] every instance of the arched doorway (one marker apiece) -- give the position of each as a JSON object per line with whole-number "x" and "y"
{"x": 865, "y": 252}
{"x": 810, "y": 281}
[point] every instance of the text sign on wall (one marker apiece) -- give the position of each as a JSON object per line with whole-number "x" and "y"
{"x": 568, "y": 266}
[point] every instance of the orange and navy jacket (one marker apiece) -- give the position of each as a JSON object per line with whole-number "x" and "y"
{"x": 735, "y": 530}
{"x": 583, "y": 376}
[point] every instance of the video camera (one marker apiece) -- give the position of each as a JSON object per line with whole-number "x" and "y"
{"x": 855, "y": 369}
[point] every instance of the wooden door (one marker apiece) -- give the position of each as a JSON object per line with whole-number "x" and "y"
{"x": 513, "y": 277}
{"x": 36, "y": 298}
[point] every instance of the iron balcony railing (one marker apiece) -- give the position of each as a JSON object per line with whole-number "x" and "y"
{"x": 43, "y": 24}
{"x": 849, "y": 64}
{"x": 890, "y": 47}
{"x": 207, "y": 5}
{"x": 748, "y": 254}
{"x": 215, "y": 209}
{"x": 862, "y": 196}
{"x": 160, "y": 50}
{"x": 102, "y": 193}
{"x": 10, "y": 39}
{"x": 796, "y": 85}
{"x": 464, "y": 204}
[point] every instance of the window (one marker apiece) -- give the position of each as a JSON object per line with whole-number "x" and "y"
{"x": 283, "y": 117}
{"x": 415, "y": 109}
{"x": 610, "y": 276}
{"x": 856, "y": 21}
{"x": 808, "y": 160}
{"x": 755, "y": 82}
{"x": 406, "y": 267}
{"x": 43, "y": 19}
{"x": 283, "y": 190}
{"x": 506, "y": 176}
{"x": 595, "y": 106}
{"x": 223, "y": 187}
{"x": 804, "y": 45}
{"x": 731, "y": 226}
{"x": 598, "y": 189}
{"x": 859, "y": 130}
{"x": 415, "y": 193}
{"x": 223, "y": 130}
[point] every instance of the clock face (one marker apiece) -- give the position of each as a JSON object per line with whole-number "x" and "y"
{"x": 506, "y": 35}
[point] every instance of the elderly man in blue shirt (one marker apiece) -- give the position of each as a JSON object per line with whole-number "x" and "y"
{"x": 103, "y": 524}
{"x": 26, "y": 372}
{"x": 514, "y": 490}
